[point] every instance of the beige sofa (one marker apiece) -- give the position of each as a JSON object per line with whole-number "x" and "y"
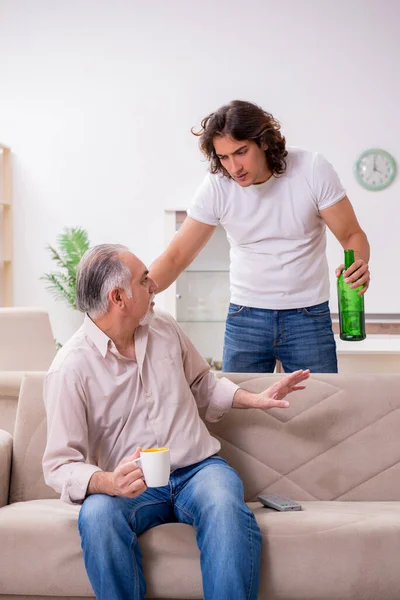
{"x": 336, "y": 449}
{"x": 26, "y": 344}
{"x": 10, "y": 383}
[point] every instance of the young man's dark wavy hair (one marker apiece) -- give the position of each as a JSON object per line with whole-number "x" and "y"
{"x": 243, "y": 121}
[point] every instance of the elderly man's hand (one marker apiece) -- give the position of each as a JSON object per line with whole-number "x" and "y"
{"x": 127, "y": 478}
{"x": 273, "y": 396}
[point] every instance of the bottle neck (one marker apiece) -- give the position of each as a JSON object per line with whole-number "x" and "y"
{"x": 348, "y": 258}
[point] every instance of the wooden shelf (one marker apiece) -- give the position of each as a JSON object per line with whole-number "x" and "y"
{"x": 6, "y": 242}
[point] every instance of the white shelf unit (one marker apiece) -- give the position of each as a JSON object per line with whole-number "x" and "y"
{"x": 6, "y": 242}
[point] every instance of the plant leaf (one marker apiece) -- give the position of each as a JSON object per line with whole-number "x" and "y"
{"x": 72, "y": 245}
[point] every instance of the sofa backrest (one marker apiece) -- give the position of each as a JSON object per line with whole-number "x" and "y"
{"x": 27, "y": 342}
{"x": 27, "y": 481}
{"x": 337, "y": 441}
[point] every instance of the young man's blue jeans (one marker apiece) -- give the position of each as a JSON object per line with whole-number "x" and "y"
{"x": 301, "y": 338}
{"x": 207, "y": 495}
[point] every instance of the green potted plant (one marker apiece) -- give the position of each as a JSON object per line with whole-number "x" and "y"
{"x": 72, "y": 245}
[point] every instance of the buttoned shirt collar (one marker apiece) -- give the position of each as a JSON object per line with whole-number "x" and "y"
{"x": 96, "y": 335}
{"x": 104, "y": 343}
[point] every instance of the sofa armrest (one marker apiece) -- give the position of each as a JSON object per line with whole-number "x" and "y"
{"x": 6, "y": 443}
{"x": 10, "y": 382}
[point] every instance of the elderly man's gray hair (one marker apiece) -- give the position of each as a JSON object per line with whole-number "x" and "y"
{"x": 100, "y": 270}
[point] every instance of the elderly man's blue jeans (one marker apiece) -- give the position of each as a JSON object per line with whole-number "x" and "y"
{"x": 301, "y": 338}
{"x": 207, "y": 495}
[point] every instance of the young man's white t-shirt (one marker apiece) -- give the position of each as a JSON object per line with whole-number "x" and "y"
{"x": 276, "y": 234}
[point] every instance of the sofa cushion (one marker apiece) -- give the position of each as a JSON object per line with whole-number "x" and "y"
{"x": 331, "y": 551}
{"x": 27, "y": 481}
{"x": 42, "y": 535}
{"x": 337, "y": 441}
{"x": 351, "y": 548}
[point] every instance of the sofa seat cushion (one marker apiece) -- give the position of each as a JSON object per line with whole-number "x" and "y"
{"x": 330, "y": 550}
{"x": 42, "y": 554}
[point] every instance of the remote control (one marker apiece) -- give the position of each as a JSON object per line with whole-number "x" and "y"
{"x": 279, "y": 502}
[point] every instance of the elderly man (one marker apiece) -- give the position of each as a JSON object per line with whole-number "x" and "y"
{"x": 130, "y": 378}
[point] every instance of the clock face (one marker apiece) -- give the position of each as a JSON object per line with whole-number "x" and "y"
{"x": 375, "y": 169}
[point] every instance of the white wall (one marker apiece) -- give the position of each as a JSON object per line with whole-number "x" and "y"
{"x": 97, "y": 99}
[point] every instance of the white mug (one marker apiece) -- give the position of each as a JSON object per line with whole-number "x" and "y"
{"x": 156, "y": 466}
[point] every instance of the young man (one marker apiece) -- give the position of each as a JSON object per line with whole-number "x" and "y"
{"x": 128, "y": 379}
{"x": 274, "y": 204}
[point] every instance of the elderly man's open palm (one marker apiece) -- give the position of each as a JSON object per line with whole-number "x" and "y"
{"x": 273, "y": 396}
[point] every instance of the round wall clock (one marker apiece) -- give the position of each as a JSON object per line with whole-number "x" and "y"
{"x": 375, "y": 169}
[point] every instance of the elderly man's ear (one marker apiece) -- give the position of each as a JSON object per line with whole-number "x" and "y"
{"x": 115, "y": 296}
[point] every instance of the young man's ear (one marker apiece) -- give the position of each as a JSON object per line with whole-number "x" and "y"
{"x": 263, "y": 143}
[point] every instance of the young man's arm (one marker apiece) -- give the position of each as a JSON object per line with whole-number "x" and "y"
{"x": 342, "y": 221}
{"x": 183, "y": 249}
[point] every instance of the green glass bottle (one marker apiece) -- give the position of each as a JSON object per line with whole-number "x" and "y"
{"x": 351, "y": 306}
